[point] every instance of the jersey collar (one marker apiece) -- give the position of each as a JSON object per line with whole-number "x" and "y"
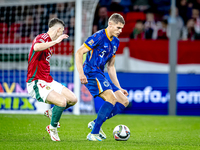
{"x": 107, "y": 35}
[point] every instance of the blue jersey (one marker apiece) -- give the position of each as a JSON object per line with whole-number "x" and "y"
{"x": 102, "y": 49}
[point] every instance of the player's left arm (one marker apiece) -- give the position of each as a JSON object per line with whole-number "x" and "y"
{"x": 113, "y": 75}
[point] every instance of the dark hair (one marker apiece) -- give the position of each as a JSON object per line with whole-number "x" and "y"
{"x": 117, "y": 18}
{"x": 139, "y": 21}
{"x": 164, "y": 21}
{"x": 54, "y": 21}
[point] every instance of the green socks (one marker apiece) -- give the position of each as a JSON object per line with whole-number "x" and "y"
{"x": 56, "y": 114}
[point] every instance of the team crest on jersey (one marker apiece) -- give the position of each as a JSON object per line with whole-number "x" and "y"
{"x": 106, "y": 84}
{"x": 114, "y": 49}
{"x": 91, "y": 42}
{"x": 48, "y": 88}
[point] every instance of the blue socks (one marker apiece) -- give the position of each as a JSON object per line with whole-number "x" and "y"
{"x": 103, "y": 114}
{"x": 117, "y": 109}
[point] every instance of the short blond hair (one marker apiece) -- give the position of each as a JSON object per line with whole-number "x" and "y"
{"x": 117, "y": 18}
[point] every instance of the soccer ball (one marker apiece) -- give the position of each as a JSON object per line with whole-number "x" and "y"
{"x": 121, "y": 133}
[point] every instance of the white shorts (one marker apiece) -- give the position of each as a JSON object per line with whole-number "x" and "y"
{"x": 39, "y": 89}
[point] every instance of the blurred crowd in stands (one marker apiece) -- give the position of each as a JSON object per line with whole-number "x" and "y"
{"x": 150, "y": 19}
{"x": 145, "y": 19}
{"x": 25, "y": 22}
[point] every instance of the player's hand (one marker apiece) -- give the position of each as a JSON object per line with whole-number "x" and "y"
{"x": 83, "y": 79}
{"x": 124, "y": 92}
{"x": 60, "y": 38}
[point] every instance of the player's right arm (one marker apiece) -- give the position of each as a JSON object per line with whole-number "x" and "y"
{"x": 79, "y": 63}
{"x": 42, "y": 46}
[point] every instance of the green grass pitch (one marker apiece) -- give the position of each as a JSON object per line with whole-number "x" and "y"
{"x": 147, "y": 132}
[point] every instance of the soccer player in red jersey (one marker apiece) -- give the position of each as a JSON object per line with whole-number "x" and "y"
{"x": 40, "y": 84}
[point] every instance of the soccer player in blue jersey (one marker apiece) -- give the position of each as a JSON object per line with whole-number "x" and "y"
{"x": 101, "y": 48}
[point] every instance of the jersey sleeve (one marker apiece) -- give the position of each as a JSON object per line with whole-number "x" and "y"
{"x": 39, "y": 39}
{"x": 93, "y": 41}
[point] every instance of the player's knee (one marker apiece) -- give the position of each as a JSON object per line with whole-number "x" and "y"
{"x": 125, "y": 102}
{"x": 63, "y": 102}
{"x": 74, "y": 100}
{"x": 113, "y": 100}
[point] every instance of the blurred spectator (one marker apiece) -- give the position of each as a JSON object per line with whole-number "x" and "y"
{"x": 149, "y": 25}
{"x": 140, "y": 5}
{"x": 63, "y": 11}
{"x": 162, "y": 30}
{"x": 27, "y": 28}
{"x": 53, "y": 15}
{"x": 195, "y": 13}
{"x": 126, "y": 5}
{"x": 105, "y": 2}
{"x": 116, "y": 6}
{"x": 71, "y": 29}
{"x": 40, "y": 19}
{"x": 138, "y": 30}
{"x": 7, "y": 14}
{"x": 179, "y": 22}
{"x": 185, "y": 9}
{"x": 2, "y": 15}
{"x": 189, "y": 32}
{"x": 195, "y": 16}
{"x": 100, "y": 21}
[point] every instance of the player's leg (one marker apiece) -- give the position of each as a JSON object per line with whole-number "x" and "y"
{"x": 70, "y": 96}
{"x": 105, "y": 110}
{"x": 48, "y": 113}
{"x": 44, "y": 92}
{"x": 60, "y": 103}
{"x": 122, "y": 100}
{"x": 71, "y": 100}
{"x": 121, "y": 104}
{"x": 98, "y": 85}
{"x": 57, "y": 99}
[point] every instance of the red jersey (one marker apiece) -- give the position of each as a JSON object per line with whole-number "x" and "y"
{"x": 39, "y": 62}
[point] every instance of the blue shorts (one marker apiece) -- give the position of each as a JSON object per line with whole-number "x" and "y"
{"x": 98, "y": 83}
